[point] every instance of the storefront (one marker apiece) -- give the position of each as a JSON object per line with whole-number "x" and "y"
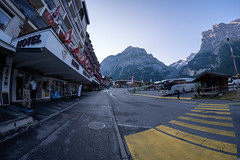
{"x": 6, "y": 59}
{"x": 42, "y": 56}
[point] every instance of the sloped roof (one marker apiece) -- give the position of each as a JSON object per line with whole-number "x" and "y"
{"x": 206, "y": 74}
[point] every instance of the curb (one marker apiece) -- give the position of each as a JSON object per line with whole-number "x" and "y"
{"x": 15, "y": 123}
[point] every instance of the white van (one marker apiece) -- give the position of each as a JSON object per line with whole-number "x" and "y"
{"x": 233, "y": 81}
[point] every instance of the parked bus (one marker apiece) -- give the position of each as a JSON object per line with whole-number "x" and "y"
{"x": 170, "y": 86}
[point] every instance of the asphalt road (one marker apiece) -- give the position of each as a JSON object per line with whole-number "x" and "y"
{"x": 115, "y": 124}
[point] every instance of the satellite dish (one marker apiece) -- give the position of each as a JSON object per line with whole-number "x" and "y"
{"x": 59, "y": 22}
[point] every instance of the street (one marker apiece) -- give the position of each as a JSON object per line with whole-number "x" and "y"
{"x": 116, "y": 124}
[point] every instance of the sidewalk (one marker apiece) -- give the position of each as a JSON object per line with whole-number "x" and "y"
{"x": 15, "y": 118}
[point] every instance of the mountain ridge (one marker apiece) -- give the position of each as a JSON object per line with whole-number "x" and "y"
{"x": 213, "y": 55}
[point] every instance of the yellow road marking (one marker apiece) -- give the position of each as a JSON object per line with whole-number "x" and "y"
{"x": 216, "y": 109}
{"x": 204, "y": 129}
{"x": 207, "y": 122}
{"x": 160, "y": 96}
{"x": 152, "y": 144}
{"x": 222, "y": 146}
{"x": 193, "y": 110}
{"x": 205, "y": 104}
{"x": 212, "y": 106}
{"x": 208, "y": 116}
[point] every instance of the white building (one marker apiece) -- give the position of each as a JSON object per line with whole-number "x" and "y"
{"x": 30, "y": 48}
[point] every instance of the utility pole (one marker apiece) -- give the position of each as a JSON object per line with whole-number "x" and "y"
{"x": 234, "y": 65}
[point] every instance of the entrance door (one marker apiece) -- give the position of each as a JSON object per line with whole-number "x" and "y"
{"x": 19, "y": 88}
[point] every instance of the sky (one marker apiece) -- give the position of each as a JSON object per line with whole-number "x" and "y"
{"x": 168, "y": 29}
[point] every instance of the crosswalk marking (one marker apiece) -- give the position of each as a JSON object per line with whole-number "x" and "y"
{"x": 206, "y": 121}
{"x": 204, "y": 129}
{"x": 202, "y": 106}
{"x": 163, "y": 142}
{"x": 153, "y": 144}
{"x": 222, "y": 146}
{"x": 209, "y": 116}
{"x": 205, "y": 104}
{"x": 202, "y": 111}
{"x": 215, "y": 109}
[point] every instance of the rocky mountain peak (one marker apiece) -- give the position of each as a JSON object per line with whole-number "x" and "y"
{"x": 133, "y": 51}
{"x": 212, "y": 39}
{"x": 134, "y": 61}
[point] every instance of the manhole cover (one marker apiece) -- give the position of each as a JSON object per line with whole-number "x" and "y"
{"x": 96, "y": 125}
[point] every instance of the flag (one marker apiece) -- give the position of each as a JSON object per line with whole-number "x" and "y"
{"x": 56, "y": 11}
{"x": 76, "y": 51}
{"x": 49, "y": 18}
{"x": 132, "y": 79}
{"x": 83, "y": 59}
{"x": 68, "y": 36}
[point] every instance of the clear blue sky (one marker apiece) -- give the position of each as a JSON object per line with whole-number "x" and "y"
{"x": 168, "y": 29}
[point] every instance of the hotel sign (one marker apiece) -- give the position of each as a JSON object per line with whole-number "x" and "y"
{"x": 29, "y": 41}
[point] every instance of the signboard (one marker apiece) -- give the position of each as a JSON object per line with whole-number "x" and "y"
{"x": 26, "y": 98}
{"x": 29, "y": 41}
{"x": 64, "y": 54}
{"x": 5, "y": 98}
{"x": 49, "y": 18}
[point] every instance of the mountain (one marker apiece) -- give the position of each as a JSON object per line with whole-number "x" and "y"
{"x": 134, "y": 61}
{"x": 180, "y": 64}
{"x": 214, "y": 54}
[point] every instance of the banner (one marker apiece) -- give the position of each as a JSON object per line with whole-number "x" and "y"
{"x": 26, "y": 98}
{"x": 49, "y": 18}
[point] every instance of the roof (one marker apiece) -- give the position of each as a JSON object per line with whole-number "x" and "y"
{"x": 219, "y": 75}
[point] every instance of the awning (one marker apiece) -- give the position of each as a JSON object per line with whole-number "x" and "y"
{"x": 44, "y": 52}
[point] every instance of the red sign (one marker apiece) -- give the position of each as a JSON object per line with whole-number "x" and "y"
{"x": 49, "y": 18}
{"x": 132, "y": 79}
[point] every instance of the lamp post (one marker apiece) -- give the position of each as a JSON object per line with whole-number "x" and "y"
{"x": 234, "y": 64}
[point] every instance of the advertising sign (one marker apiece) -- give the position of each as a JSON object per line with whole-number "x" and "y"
{"x": 26, "y": 98}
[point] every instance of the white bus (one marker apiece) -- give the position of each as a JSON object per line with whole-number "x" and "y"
{"x": 170, "y": 86}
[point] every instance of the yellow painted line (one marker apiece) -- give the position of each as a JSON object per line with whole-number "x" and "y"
{"x": 216, "y": 109}
{"x": 208, "y": 116}
{"x": 152, "y": 145}
{"x": 193, "y": 110}
{"x": 212, "y": 106}
{"x": 206, "y": 122}
{"x": 204, "y": 129}
{"x": 160, "y": 96}
{"x": 222, "y": 146}
{"x": 205, "y": 104}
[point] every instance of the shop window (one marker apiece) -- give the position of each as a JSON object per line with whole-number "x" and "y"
{"x": 4, "y": 20}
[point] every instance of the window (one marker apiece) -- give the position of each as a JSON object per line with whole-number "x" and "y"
{"x": 81, "y": 12}
{"x": 4, "y": 20}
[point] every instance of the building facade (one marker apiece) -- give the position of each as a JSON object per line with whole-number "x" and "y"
{"x": 45, "y": 40}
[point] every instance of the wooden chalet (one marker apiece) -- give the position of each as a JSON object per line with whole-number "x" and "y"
{"x": 212, "y": 84}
